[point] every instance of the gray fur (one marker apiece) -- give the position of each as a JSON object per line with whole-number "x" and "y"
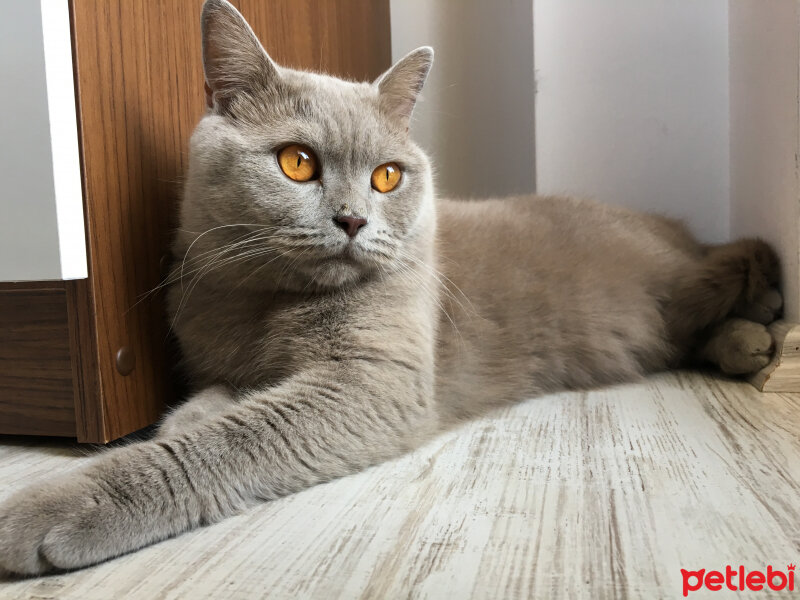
{"x": 315, "y": 356}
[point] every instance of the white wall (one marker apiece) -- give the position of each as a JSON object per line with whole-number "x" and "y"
{"x": 476, "y": 114}
{"x": 41, "y": 208}
{"x": 765, "y": 131}
{"x": 632, "y": 105}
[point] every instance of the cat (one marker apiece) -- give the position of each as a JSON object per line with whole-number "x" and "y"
{"x": 333, "y": 314}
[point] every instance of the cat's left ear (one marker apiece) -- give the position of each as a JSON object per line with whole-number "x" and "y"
{"x": 399, "y": 87}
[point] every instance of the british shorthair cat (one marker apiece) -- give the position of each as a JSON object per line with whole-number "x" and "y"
{"x": 333, "y": 313}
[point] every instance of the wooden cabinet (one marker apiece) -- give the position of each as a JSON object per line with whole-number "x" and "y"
{"x": 89, "y": 357}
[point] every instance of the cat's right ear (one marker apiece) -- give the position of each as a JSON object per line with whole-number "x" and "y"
{"x": 234, "y": 61}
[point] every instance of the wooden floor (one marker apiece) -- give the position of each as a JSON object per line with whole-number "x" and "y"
{"x": 595, "y": 495}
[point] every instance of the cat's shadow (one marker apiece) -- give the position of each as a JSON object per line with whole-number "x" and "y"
{"x": 52, "y": 446}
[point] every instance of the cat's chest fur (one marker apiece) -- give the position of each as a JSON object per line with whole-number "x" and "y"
{"x": 254, "y": 339}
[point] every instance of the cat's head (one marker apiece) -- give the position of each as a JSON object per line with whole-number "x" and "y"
{"x": 303, "y": 175}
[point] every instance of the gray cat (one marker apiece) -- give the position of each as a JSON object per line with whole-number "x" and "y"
{"x": 334, "y": 314}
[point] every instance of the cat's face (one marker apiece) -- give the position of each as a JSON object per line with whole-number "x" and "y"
{"x": 316, "y": 172}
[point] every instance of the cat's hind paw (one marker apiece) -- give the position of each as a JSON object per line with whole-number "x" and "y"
{"x": 740, "y": 347}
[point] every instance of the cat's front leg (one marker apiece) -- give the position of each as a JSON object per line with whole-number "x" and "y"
{"x": 201, "y": 407}
{"x": 312, "y": 428}
{"x": 44, "y": 526}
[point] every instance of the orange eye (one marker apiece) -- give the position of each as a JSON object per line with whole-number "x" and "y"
{"x": 298, "y": 162}
{"x": 386, "y": 177}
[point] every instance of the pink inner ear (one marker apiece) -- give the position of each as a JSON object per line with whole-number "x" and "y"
{"x": 209, "y": 95}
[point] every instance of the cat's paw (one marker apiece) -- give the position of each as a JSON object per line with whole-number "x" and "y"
{"x": 744, "y": 347}
{"x": 64, "y": 524}
{"x": 764, "y": 309}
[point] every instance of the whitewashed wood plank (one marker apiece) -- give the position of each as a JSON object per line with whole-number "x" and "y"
{"x": 604, "y": 494}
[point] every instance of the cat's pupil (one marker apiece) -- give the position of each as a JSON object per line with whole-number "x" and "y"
{"x": 299, "y": 160}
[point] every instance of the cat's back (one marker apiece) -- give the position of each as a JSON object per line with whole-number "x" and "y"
{"x": 544, "y": 224}
{"x": 500, "y": 244}
{"x": 537, "y": 281}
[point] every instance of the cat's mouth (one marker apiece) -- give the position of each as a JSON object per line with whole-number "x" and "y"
{"x": 362, "y": 254}
{"x": 338, "y": 268}
{"x": 352, "y": 255}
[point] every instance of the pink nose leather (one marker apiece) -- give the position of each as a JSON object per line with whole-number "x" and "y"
{"x": 351, "y": 225}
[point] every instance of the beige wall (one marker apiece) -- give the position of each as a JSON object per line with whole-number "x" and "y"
{"x": 476, "y": 113}
{"x": 632, "y": 106}
{"x": 765, "y": 130}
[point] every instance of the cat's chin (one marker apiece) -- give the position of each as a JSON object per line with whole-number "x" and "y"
{"x": 333, "y": 273}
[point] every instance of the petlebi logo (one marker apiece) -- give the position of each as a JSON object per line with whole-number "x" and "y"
{"x": 739, "y": 580}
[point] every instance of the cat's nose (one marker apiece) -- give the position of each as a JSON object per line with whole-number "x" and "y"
{"x": 351, "y": 225}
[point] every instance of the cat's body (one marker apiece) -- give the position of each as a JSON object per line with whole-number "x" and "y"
{"x": 562, "y": 293}
{"x": 328, "y": 325}
{"x": 519, "y": 296}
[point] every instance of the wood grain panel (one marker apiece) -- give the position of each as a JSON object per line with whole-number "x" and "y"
{"x": 89, "y": 410}
{"x": 140, "y": 91}
{"x": 36, "y": 392}
{"x": 782, "y": 374}
{"x": 349, "y": 38}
